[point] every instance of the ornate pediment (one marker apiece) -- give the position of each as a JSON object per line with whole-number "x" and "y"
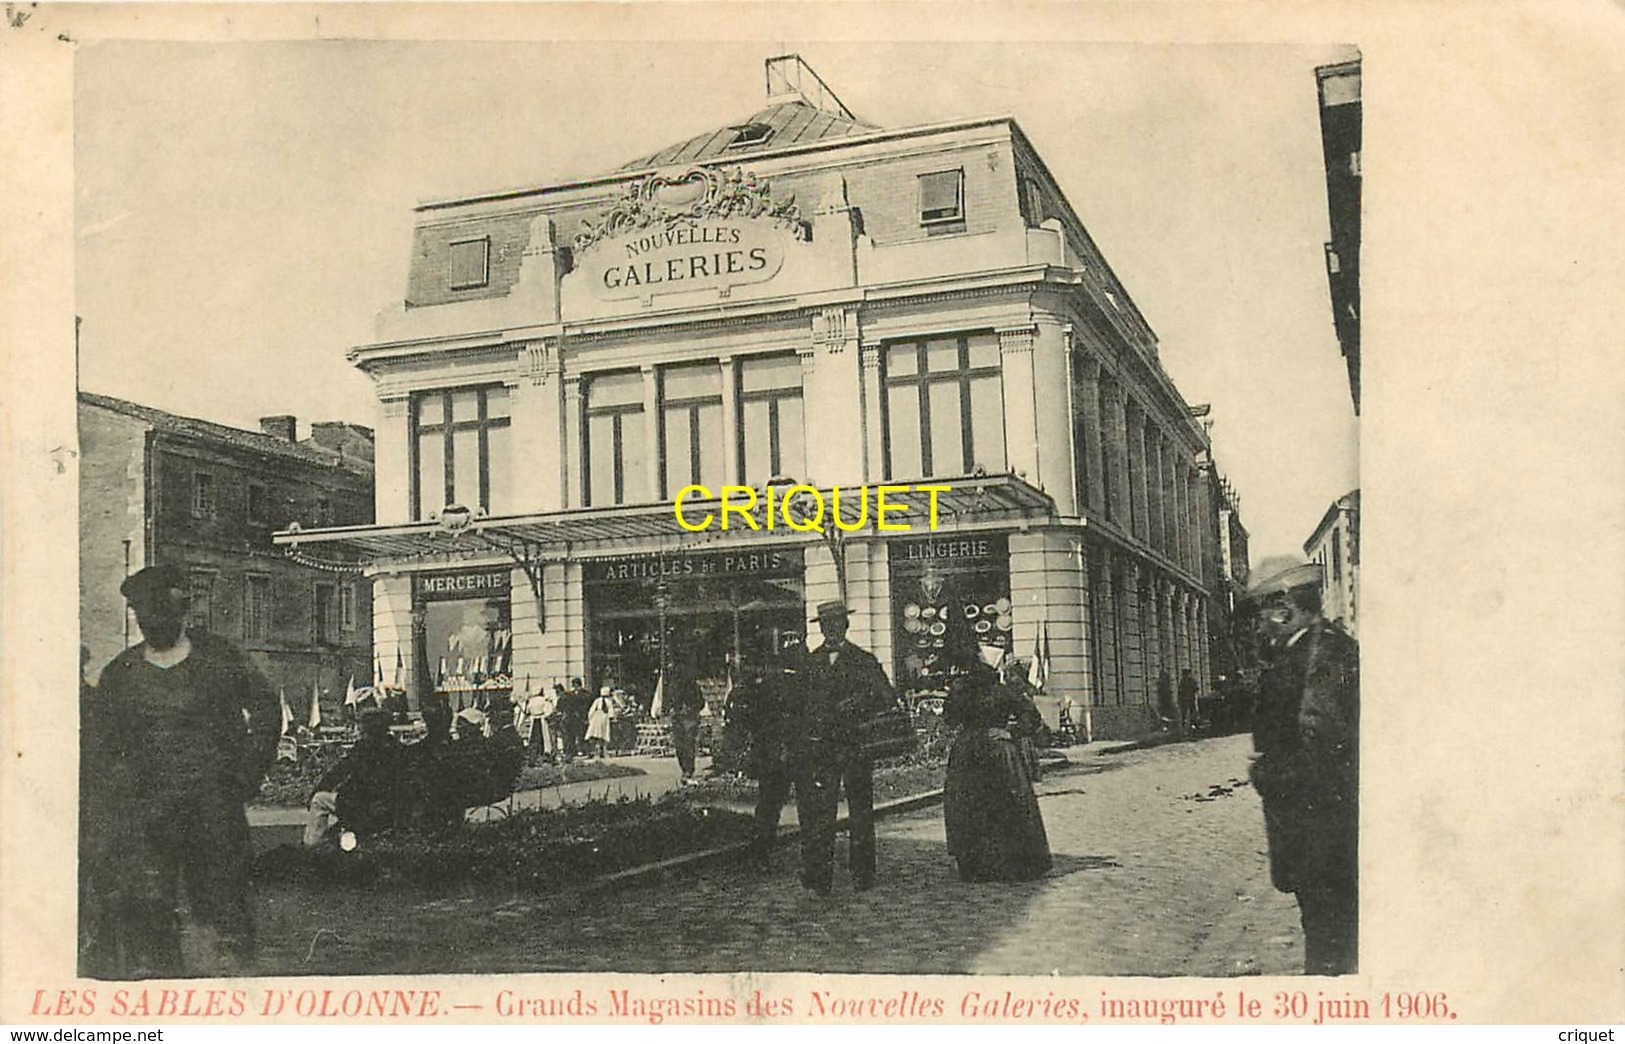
{"x": 663, "y": 199}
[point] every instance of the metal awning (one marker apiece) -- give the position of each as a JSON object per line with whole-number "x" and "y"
{"x": 653, "y": 528}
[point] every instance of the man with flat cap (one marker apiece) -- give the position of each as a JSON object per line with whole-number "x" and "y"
{"x": 1306, "y": 764}
{"x": 844, "y": 687}
{"x": 183, "y": 730}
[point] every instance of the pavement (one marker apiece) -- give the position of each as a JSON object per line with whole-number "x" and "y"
{"x": 1160, "y": 870}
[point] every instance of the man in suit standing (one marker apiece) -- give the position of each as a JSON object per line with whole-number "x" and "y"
{"x": 1306, "y": 767}
{"x": 844, "y": 687}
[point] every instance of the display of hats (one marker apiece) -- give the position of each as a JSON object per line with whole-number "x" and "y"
{"x": 1005, "y": 622}
{"x": 922, "y": 642}
{"x": 972, "y": 611}
{"x": 942, "y": 612}
{"x": 938, "y": 643}
{"x": 939, "y": 628}
{"x": 913, "y": 626}
{"x": 990, "y": 609}
{"x": 983, "y": 626}
{"x": 1003, "y": 605}
{"x": 911, "y": 610}
{"x": 929, "y": 612}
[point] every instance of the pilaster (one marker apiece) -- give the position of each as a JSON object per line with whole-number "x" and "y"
{"x": 1020, "y": 401}
{"x": 651, "y": 431}
{"x": 572, "y": 468}
{"x": 731, "y": 470}
{"x": 392, "y": 462}
{"x": 1092, "y": 490}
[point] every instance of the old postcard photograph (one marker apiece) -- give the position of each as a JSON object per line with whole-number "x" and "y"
{"x": 775, "y": 514}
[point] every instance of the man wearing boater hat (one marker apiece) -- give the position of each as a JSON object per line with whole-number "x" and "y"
{"x": 845, "y": 687}
{"x": 1306, "y": 766}
{"x": 183, "y": 729}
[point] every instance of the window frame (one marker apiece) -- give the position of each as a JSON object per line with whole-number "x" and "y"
{"x": 349, "y": 610}
{"x": 771, "y": 396}
{"x": 210, "y": 578}
{"x": 964, "y": 375}
{"x": 258, "y": 517}
{"x": 483, "y": 423}
{"x": 258, "y": 627}
{"x": 958, "y": 216}
{"x": 205, "y": 498}
{"x": 324, "y": 629}
{"x": 693, "y": 404}
{"x": 485, "y": 263}
{"x": 618, "y": 414}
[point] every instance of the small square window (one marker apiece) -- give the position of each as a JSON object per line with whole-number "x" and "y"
{"x": 942, "y": 196}
{"x": 470, "y": 263}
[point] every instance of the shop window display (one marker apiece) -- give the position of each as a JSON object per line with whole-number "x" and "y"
{"x": 942, "y": 587}
{"x": 468, "y": 637}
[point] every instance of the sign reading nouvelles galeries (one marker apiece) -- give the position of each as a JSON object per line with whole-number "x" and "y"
{"x": 697, "y": 230}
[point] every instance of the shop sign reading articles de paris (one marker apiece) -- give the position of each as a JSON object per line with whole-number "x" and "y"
{"x": 694, "y": 230}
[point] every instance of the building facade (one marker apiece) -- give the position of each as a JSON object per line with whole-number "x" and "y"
{"x": 1340, "y": 136}
{"x": 1335, "y": 546}
{"x": 156, "y": 488}
{"x": 797, "y": 298}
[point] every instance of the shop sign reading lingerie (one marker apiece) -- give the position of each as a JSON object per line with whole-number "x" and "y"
{"x": 969, "y": 550}
{"x": 772, "y": 562}
{"x": 437, "y": 587}
{"x": 693, "y": 230}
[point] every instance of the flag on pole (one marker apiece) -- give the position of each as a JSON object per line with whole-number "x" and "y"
{"x": 315, "y": 706}
{"x": 659, "y": 704}
{"x": 1038, "y": 670}
{"x": 287, "y": 712}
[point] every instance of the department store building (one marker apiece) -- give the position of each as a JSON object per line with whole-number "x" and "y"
{"x": 797, "y": 297}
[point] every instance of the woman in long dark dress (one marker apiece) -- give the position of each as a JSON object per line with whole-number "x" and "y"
{"x": 995, "y": 830}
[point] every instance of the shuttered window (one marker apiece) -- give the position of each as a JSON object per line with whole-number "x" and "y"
{"x": 470, "y": 263}
{"x": 942, "y": 196}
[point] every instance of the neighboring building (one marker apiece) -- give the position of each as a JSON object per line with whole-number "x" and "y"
{"x": 796, "y": 294}
{"x": 1335, "y": 545}
{"x": 159, "y": 488}
{"x": 1227, "y": 579}
{"x": 1340, "y": 132}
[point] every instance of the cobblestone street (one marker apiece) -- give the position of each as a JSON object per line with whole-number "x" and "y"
{"x": 1159, "y": 870}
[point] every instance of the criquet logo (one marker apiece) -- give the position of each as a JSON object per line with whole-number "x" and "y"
{"x": 803, "y": 508}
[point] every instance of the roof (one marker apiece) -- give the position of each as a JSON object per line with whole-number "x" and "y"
{"x": 221, "y": 434}
{"x": 652, "y": 528}
{"x": 787, "y": 123}
{"x": 1349, "y": 502}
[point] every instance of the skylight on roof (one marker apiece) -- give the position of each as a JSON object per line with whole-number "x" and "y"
{"x": 749, "y": 134}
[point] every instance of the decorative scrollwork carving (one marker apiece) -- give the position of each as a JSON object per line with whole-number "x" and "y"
{"x": 663, "y": 199}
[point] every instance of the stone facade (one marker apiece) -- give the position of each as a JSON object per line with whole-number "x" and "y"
{"x": 886, "y": 306}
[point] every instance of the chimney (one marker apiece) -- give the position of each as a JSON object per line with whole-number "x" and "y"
{"x": 345, "y": 439}
{"x": 283, "y": 426}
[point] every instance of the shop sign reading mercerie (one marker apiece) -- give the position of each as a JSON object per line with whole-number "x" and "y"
{"x": 710, "y": 254}
{"x": 475, "y": 584}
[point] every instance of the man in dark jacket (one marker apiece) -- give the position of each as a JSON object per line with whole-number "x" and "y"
{"x": 844, "y": 687}
{"x": 184, "y": 729}
{"x": 763, "y": 706}
{"x": 1306, "y": 767}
